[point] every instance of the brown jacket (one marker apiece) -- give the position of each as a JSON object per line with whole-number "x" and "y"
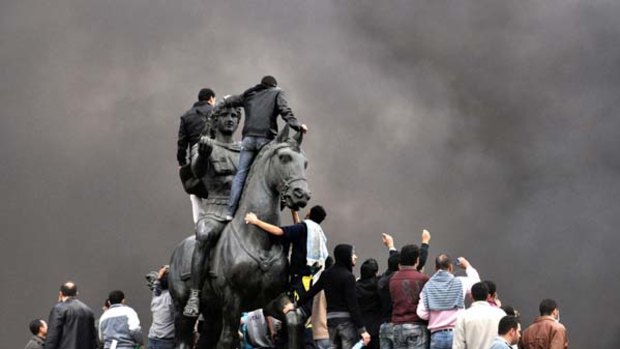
{"x": 544, "y": 333}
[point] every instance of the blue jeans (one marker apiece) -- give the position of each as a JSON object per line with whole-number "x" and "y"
{"x": 342, "y": 333}
{"x": 250, "y": 146}
{"x": 322, "y": 344}
{"x": 386, "y": 335}
{"x": 441, "y": 340}
{"x": 410, "y": 336}
{"x": 155, "y": 343}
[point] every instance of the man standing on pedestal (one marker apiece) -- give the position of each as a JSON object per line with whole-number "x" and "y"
{"x": 191, "y": 125}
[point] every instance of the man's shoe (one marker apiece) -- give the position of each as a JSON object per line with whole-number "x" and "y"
{"x": 192, "y": 308}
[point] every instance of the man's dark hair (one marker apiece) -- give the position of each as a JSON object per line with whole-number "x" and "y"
{"x": 369, "y": 268}
{"x": 479, "y": 291}
{"x": 116, "y": 297}
{"x": 409, "y": 255}
{"x": 547, "y": 306}
{"x": 269, "y": 81}
{"x": 394, "y": 261}
{"x": 491, "y": 286}
{"x": 506, "y": 323}
{"x": 35, "y": 325}
{"x": 317, "y": 214}
{"x": 205, "y": 94}
{"x": 69, "y": 289}
{"x": 443, "y": 262}
{"x": 509, "y": 310}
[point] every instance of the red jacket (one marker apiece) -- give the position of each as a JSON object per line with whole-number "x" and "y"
{"x": 405, "y": 288}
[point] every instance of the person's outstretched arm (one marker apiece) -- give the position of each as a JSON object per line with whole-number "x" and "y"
{"x": 250, "y": 218}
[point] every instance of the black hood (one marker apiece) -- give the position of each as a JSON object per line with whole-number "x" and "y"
{"x": 343, "y": 254}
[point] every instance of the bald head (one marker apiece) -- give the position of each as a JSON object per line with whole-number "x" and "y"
{"x": 68, "y": 289}
{"x": 443, "y": 262}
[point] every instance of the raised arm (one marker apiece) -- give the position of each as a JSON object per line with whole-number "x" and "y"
{"x": 426, "y": 239}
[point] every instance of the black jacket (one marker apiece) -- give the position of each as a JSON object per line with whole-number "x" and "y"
{"x": 368, "y": 299}
{"x": 71, "y": 325}
{"x": 262, "y": 105}
{"x": 339, "y": 285}
{"x": 190, "y": 128}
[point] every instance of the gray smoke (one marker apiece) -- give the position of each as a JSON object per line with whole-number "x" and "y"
{"x": 492, "y": 124}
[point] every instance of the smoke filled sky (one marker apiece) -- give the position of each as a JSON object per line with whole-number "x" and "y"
{"x": 494, "y": 124}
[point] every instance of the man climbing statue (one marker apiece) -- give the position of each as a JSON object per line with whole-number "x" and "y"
{"x": 262, "y": 104}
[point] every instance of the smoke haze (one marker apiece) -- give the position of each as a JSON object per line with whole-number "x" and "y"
{"x": 492, "y": 123}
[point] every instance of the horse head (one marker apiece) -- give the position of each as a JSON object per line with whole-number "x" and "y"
{"x": 287, "y": 166}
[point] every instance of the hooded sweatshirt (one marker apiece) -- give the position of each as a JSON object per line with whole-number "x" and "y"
{"x": 338, "y": 282}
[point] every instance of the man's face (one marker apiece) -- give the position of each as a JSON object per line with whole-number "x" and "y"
{"x": 353, "y": 258}
{"x": 227, "y": 122}
{"x": 515, "y": 334}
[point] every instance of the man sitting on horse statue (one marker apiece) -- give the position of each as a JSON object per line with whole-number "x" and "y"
{"x": 262, "y": 104}
{"x": 214, "y": 160}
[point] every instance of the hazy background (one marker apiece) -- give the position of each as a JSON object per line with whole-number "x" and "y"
{"x": 492, "y": 123}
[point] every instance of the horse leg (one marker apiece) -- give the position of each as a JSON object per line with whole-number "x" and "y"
{"x": 184, "y": 331}
{"x": 231, "y": 316}
{"x": 210, "y": 330}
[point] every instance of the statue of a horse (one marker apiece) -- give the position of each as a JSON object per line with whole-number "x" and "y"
{"x": 247, "y": 270}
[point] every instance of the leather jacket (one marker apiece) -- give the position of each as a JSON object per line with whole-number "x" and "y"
{"x": 71, "y": 326}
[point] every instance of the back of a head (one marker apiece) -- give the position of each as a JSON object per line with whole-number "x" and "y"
{"x": 369, "y": 269}
{"x": 507, "y": 323}
{"x": 479, "y": 291}
{"x": 205, "y": 94}
{"x": 443, "y": 262}
{"x": 547, "y": 306}
{"x": 116, "y": 297}
{"x": 409, "y": 255}
{"x": 509, "y": 310}
{"x": 393, "y": 262}
{"x": 317, "y": 214}
{"x": 163, "y": 282}
{"x": 343, "y": 254}
{"x": 269, "y": 81}
{"x": 35, "y": 325}
{"x": 69, "y": 289}
{"x": 491, "y": 286}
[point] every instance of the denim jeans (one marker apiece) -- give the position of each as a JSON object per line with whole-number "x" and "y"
{"x": 155, "y": 343}
{"x": 342, "y": 333}
{"x": 386, "y": 335}
{"x": 441, "y": 340}
{"x": 322, "y": 344}
{"x": 410, "y": 336}
{"x": 250, "y": 146}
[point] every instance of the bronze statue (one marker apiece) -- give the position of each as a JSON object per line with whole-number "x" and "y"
{"x": 214, "y": 160}
{"x": 247, "y": 269}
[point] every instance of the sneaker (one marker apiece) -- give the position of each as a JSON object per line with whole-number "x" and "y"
{"x": 192, "y": 308}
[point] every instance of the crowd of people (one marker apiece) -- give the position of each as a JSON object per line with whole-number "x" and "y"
{"x": 401, "y": 308}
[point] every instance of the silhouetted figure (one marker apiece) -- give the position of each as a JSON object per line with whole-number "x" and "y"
{"x": 191, "y": 125}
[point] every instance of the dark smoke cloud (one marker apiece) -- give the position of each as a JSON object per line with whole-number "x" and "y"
{"x": 491, "y": 123}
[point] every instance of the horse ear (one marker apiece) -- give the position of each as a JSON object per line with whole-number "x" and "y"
{"x": 283, "y": 136}
{"x": 298, "y": 137}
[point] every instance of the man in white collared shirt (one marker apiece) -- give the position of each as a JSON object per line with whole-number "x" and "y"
{"x": 477, "y": 326}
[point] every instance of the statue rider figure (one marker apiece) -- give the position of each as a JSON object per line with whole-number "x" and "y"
{"x": 214, "y": 159}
